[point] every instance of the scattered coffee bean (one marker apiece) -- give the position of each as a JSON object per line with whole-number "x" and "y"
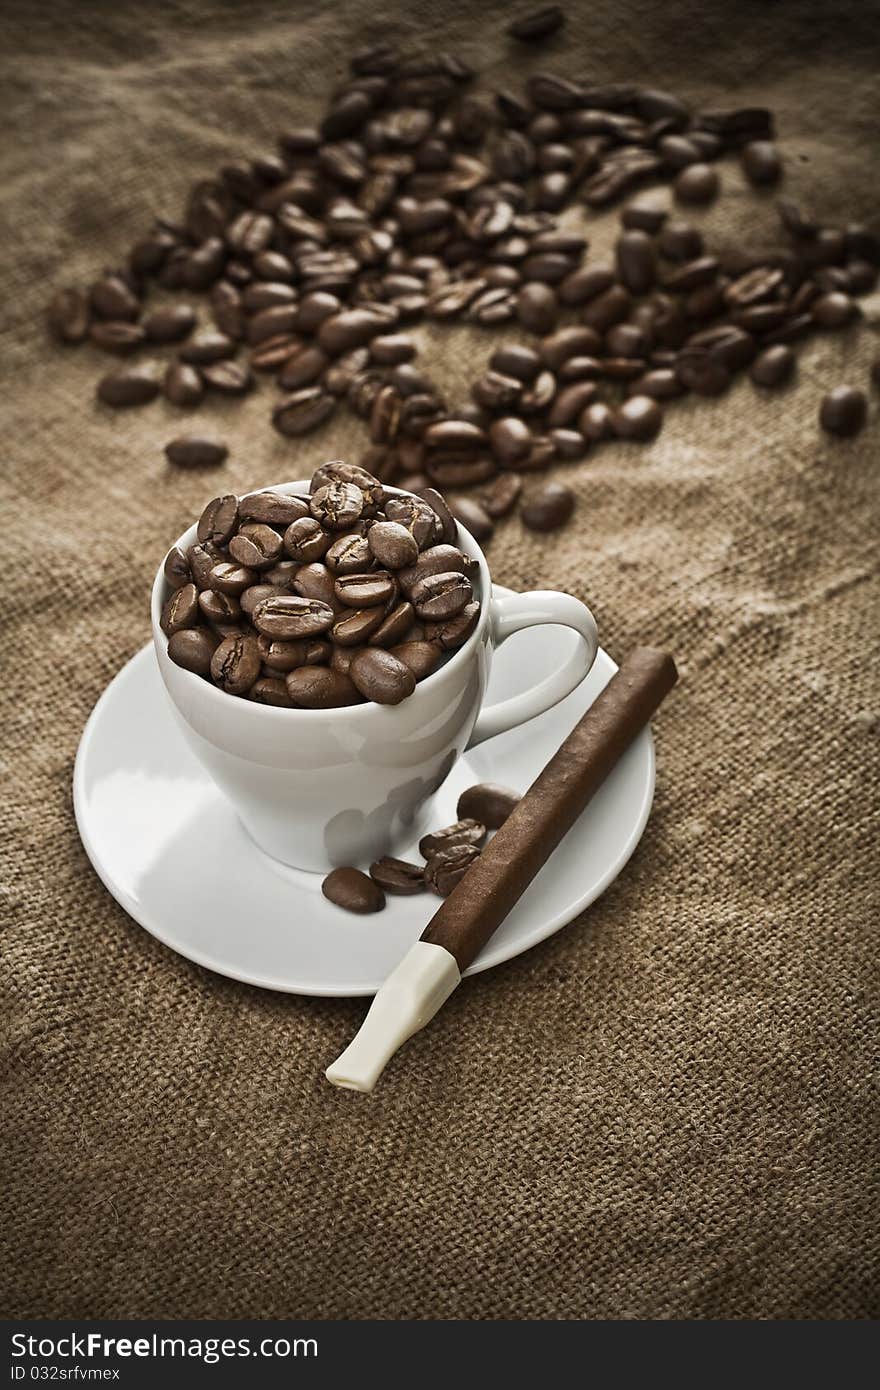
{"x": 843, "y": 411}
{"x": 129, "y": 386}
{"x": 463, "y": 832}
{"x": 446, "y": 869}
{"x": 698, "y": 183}
{"x": 538, "y": 25}
{"x": 183, "y": 385}
{"x": 398, "y": 876}
{"x": 773, "y": 366}
{"x": 548, "y": 507}
{"x": 487, "y": 803}
{"x": 353, "y": 890}
{"x": 640, "y": 417}
{"x": 194, "y": 451}
{"x": 761, "y": 162}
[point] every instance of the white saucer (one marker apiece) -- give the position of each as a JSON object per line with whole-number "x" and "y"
{"x": 171, "y": 850}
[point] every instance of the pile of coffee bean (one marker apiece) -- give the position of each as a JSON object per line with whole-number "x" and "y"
{"x": 417, "y": 199}
{"x": 448, "y": 854}
{"x": 347, "y": 595}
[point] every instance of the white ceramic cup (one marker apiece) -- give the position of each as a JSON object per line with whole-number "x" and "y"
{"x": 319, "y": 788}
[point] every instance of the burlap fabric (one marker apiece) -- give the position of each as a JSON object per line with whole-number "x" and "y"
{"x": 665, "y": 1111}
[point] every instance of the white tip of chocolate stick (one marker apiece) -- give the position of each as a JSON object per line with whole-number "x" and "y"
{"x": 408, "y": 999}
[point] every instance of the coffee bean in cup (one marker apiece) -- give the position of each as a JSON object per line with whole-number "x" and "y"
{"x": 344, "y": 596}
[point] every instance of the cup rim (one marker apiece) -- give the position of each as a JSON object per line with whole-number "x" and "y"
{"x": 280, "y": 712}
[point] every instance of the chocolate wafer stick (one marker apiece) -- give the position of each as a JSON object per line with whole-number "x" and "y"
{"x": 477, "y": 906}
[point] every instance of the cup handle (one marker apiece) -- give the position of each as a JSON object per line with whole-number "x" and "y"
{"x": 511, "y": 613}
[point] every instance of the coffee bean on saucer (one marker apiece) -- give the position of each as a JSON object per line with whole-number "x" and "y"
{"x": 773, "y": 366}
{"x": 353, "y": 890}
{"x": 392, "y": 545}
{"x": 195, "y": 451}
{"x": 181, "y": 610}
{"x": 462, "y": 832}
{"x": 236, "y": 663}
{"x": 382, "y": 677}
{"x": 398, "y": 876}
{"x": 488, "y": 803}
{"x": 447, "y": 868}
{"x": 843, "y": 411}
{"x": 319, "y": 687}
{"x": 192, "y": 648}
{"x": 548, "y": 507}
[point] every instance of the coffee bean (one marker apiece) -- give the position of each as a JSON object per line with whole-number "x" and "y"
{"x": 833, "y": 310}
{"x": 679, "y": 241}
{"x": 352, "y": 890}
{"x": 176, "y": 568}
{"x": 643, "y": 217}
{"x": 701, "y": 372}
{"x": 219, "y": 519}
{"x": 487, "y": 803}
{"x": 415, "y": 515}
{"x": 381, "y": 677}
{"x": 636, "y": 261}
{"x": 273, "y": 508}
{"x": 235, "y": 664}
{"x": 129, "y": 386}
{"x": 316, "y": 581}
{"x": 68, "y": 316}
{"x": 291, "y": 617}
{"x": 493, "y": 391}
{"x": 355, "y": 628}
{"x": 396, "y": 625}
{"x": 446, "y": 869}
{"x": 567, "y": 343}
{"x": 319, "y": 687}
{"x": 256, "y": 593}
{"x": 472, "y": 516}
{"x": 229, "y": 578}
{"x": 468, "y": 831}
{"x": 201, "y": 560}
{"x": 397, "y": 875}
{"x": 195, "y": 451}
{"x": 286, "y": 656}
{"x": 501, "y": 497}
{"x": 270, "y": 690}
{"x": 181, "y": 610}
{"x": 761, "y": 162}
{"x": 459, "y": 435}
{"x": 421, "y": 657}
{"x": 182, "y": 385}
{"x": 521, "y": 363}
{"x": 229, "y": 378}
{"x": 447, "y": 525}
{"x": 393, "y": 546}
{"x": 303, "y": 411}
{"x": 391, "y": 349}
{"x": 117, "y": 336}
{"x": 537, "y": 308}
{"x": 569, "y": 404}
{"x": 112, "y": 298}
{"x": 548, "y": 507}
{"x": 608, "y": 308}
{"x": 256, "y": 545}
{"x": 378, "y": 587}
{"x": 511, "y": 439}
{"x": 337, "y": 505}
{"x": 454, "y": 632}
{"x": 192, "y": 648}
{"x": 438, "y": 559}
{"x": 351, "y": 328}
{"x": 773, "y": 367}
{"x": 698, "y": 183}
{"x": 207, "y": 346}
{"x": 221, "y": 610}
{"x": 439, "y": 597}
{"x": 596, "y": 421}
{"x": 170, "y": 323}
{"x": 349, "y": 554}
{"x": 538, "y": 25}
{"x": 640, "y": 417}
{"x": 843, "y": 411}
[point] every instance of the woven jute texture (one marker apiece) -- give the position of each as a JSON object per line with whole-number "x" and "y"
{"x": 666, "y": 1110}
